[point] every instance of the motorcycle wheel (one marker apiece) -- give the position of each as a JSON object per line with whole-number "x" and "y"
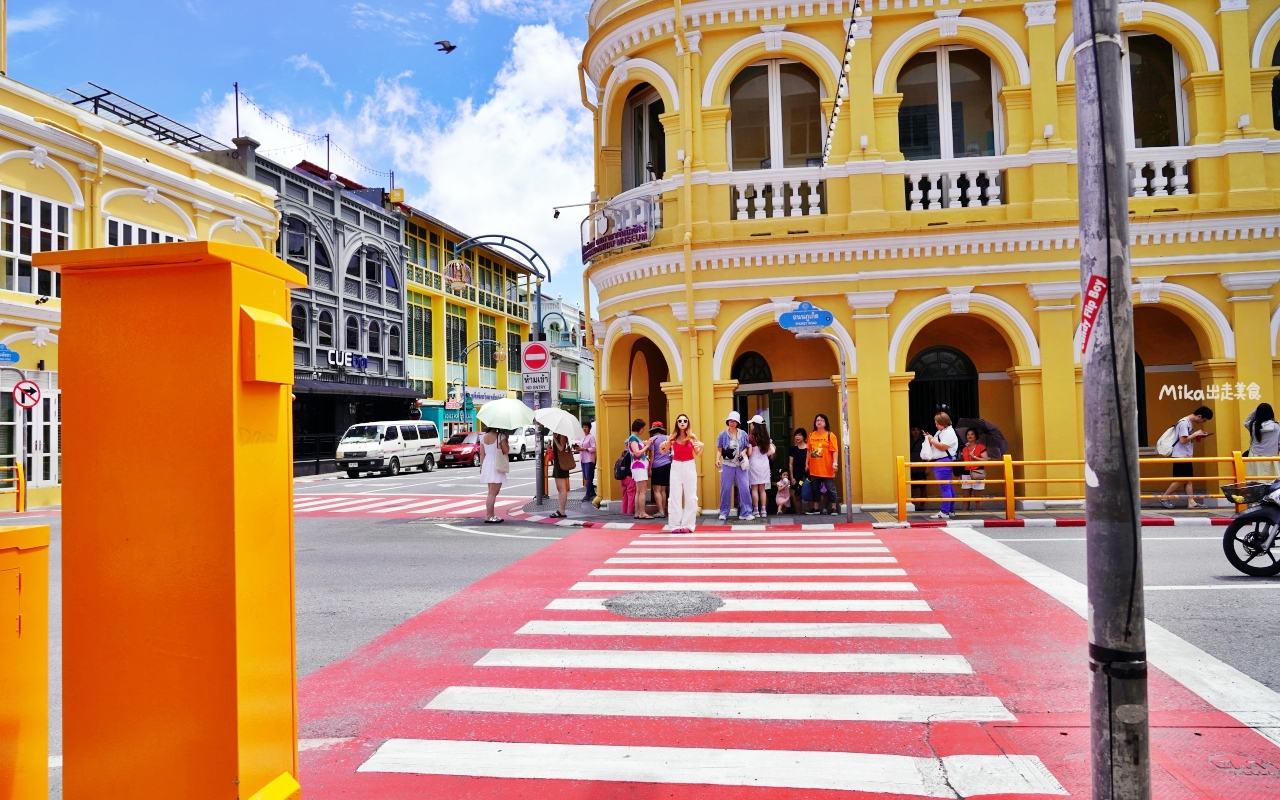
{"x": 1242, "y": 542}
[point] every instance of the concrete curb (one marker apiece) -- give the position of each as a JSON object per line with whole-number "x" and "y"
{"x": 1067, "y": 522}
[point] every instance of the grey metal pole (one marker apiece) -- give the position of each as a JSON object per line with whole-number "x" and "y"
{"x": 1117, "y": 636}
{"x": 844, "y": 416}
{"x": 540, "y": 468}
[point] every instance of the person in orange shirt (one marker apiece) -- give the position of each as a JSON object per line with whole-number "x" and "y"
{"x": 821, "y": 486}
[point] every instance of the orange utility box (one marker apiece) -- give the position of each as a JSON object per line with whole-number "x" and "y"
{"x": 179, "y": 676}
{"x": 24, "y": 662}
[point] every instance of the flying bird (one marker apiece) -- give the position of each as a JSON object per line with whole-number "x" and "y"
{"x": 446, "y": 47}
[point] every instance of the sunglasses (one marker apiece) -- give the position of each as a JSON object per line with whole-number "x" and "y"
{"x": 682, "y": 420}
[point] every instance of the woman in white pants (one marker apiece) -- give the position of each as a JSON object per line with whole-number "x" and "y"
{"x": 682, "y": 499}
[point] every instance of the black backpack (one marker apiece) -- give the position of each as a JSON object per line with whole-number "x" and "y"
{"x": 622, "y": 467}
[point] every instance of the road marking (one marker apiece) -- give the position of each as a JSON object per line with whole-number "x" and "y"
{"x": 367, "y": 506}
{"x": 915, "y": 663}
{"x": 1222, "y": 686}
{"x": 780, "y": 604}
{"x": 693, "y": 542}
{"x": 494, "y": 533}
{"x": 787, "y": 769}
{"x": 55, "y": 762}
{"x": 331, "y": 502}
{"x": 761, "y": 560}
{"x": 1194, "y": 587}
{"x": 659, "y": 572}
{"x": 723, "y": 705}
{"x": 320, "y": 744}
{"x": 743, "y": 535}
{"x": 662, "y": 551}
{"x": 416, "y": 505}
{"x": 744, "y": 586}
{"x": 1144, "y": 538}
{"x": 770, "y": 630}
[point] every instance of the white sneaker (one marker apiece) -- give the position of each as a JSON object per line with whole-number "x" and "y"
{"x": 940, "y": 515}
{"x": 747, "y": 518}
{"x": 723, "y": 518}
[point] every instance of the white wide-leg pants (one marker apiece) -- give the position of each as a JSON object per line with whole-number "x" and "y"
{"x": 682, "y": 496}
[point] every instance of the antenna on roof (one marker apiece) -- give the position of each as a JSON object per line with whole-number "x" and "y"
{"x": 236, "y": 84}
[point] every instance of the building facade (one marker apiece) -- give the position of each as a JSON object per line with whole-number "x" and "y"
{"x": 572, "y": 361}
{"x": 941, "y": 233}
{"x": 78, "y": 176}
{"x": 490, "y": 308}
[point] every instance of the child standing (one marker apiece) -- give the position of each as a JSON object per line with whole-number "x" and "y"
{"x": 783, "y": 498}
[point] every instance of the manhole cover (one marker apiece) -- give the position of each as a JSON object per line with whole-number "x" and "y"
{"x": 663, "y": 605}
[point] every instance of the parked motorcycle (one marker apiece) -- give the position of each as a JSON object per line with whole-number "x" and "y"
{"x": 1250, "y": 538}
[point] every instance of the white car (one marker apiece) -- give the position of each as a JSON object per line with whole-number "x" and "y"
{"x": 523, "y": 443}
{"x": 388, "y": 447}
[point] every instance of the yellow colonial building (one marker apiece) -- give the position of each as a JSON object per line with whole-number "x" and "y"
{"x": 73, "y": 176}
{"x": 942, "y": 230}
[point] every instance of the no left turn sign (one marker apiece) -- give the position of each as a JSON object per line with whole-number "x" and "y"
{"x": 26, "y": 394}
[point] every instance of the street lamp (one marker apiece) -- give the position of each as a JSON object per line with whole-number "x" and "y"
{"x": 499, "y": 355}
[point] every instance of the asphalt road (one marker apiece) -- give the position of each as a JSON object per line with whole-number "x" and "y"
{"x": 444, "y": 480}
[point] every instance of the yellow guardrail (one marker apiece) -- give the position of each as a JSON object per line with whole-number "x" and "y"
{"x": 1010, "y": 481}
{"x": 17, "y": 483}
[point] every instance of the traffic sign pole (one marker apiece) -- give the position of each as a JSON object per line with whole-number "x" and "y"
{"x": 535, "y": 372}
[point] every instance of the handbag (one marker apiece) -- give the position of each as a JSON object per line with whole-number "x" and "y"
{"x": 564, "y": 460}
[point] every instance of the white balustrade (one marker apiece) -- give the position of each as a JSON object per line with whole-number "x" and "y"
{"x": 952, "y": 184}
{"x": 766, "y": 194}
{"x": 1159, "y": 171}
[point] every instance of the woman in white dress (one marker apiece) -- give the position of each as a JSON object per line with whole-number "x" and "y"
{"x": 493, "y": 457}
{"x": 759, "y": 465}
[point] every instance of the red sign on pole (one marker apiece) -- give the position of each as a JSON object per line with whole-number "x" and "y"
{"x": 1094, "y": 295}
{"x": 535, "y": 357}
{"x": 26, "y": 394}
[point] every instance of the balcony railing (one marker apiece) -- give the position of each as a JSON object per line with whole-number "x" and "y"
{"x": 954, "y": 182}
{"x": 1159, "y": 171}
{"x": 764, "y": 198}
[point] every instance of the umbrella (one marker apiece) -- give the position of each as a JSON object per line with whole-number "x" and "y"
{"x": 505, "y": 414}
{"x": 988, "y": 435}
{"x": 559, "y": 421}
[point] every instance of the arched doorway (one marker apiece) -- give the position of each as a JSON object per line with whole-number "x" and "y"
{"x": 945, "y": 379}
{"x": 648, "y": 372}
{"x": 1165, "y": 351}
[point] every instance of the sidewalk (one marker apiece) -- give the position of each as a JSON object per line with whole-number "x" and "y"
{"x": 931, "y": 663}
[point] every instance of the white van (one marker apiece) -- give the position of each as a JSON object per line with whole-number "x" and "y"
{"x": 389, "y": 447}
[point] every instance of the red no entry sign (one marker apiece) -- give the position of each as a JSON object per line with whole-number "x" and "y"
{"x": 26, "y": 394}
{"x": 536, "y": 357}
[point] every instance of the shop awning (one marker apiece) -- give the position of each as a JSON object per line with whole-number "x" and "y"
{"x": 353, "y": 389}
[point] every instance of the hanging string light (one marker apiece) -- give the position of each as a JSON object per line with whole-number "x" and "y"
{"x": 842, "y": 85}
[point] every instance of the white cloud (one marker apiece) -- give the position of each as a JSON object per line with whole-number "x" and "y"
{"x": 465, "y": 10}
{"x": 491, "y": 165}
{"x": 39, "y": 19}
{"x": 305, "y": 61}
{"x": 400, "y": 25}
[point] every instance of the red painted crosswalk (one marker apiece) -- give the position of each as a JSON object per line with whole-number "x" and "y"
{"x": 552, "y": 679}
{"x": 403, "y": 505}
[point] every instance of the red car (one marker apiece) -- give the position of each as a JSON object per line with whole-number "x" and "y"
{"x": 462, "y": 449}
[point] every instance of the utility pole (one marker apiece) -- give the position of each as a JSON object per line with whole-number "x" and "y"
{"x": 1117, "y": 635}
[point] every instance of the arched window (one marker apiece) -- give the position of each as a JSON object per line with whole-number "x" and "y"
{"x": 750, "y": 368}
{"x": 392, "y": 282}
{"x": 775, "y": 116}
{"x": 372, "y": 262}
{"x": 393, "y": 341}
{"x": 323, "y": 273}
{"x": 295, "y": 239}
{"x": 949, "y": 105}
{"x": 325, "y": 329}
{"x": 353, "y": 266}
{"x": 945, "y": 378}
{"x": 353, "y": 333}
{"x": 375, "y": 337}
{"x": 322, "y": 255}
{"x": 1275, "y": 91}
{"x": 1156, "y": 103}
{"x": 644, "y": 142}
{"x": 299, "y": 319}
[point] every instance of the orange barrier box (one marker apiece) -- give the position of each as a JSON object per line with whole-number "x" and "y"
{"x": 179, "y": 675}
{"x": 24, "y": 662}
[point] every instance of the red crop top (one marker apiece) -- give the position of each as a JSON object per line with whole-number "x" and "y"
{"x": 681, "y": 452}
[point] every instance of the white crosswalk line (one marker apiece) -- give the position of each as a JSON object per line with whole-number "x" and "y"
{"x": 780, "y": 604}
{"x": 659, "y": 572}
{"x": 723, "y": 705}
{"x": 743, "y": 586}
{"x": 738, "y": 534}
{"x": 914, "y": 663}
{"x": 683, "y": 542}
{"x": 332, "y": 503}
{"x": 760, "y": 560}
{"x": 771, "y": 630}
{"x": 654, "y": 551}
{"x": 368, "y": 506}
{"x": 416, "y": 504}
{"x": 790, "y": 769}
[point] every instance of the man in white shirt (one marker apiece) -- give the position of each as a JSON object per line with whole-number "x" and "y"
{"x": 942, "y": 448}
{"x": 1185, "y": 447}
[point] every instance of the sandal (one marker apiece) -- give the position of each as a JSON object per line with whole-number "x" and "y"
{"x": 558, "y": 515}
{"x": 646, "y": 516}
{"x": 494, "y": 521}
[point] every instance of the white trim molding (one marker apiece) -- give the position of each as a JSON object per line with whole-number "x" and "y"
{"x": 1184, "y": 19}
{"x": 864, "y": 300}
{"x": 946, "y": 300}
{"x": 151, "y": 195}
{"x": 748, "y": 319}
{"x": 1275, "y": 329}
{"x": 1056, "y": 290}
{"x": 40, "y": 336}
{"x": 997, "y": 33}
{"x": 1261, "y": 38}
{"x": 622, "y": 325}
{"x": 622, "y": 72}
{"x": 238, "y": 225}
{"x": 1261, "y": 280}
{"x": 702, "y": 309}
{"x": 39, "y": 158}
{"x": 763, "y": 38}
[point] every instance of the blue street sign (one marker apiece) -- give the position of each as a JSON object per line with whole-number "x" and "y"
{"x": 8, "y": 356}
{"x": 806, "y": 316}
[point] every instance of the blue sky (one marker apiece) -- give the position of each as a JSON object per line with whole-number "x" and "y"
{"x": 488, "y": 137}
